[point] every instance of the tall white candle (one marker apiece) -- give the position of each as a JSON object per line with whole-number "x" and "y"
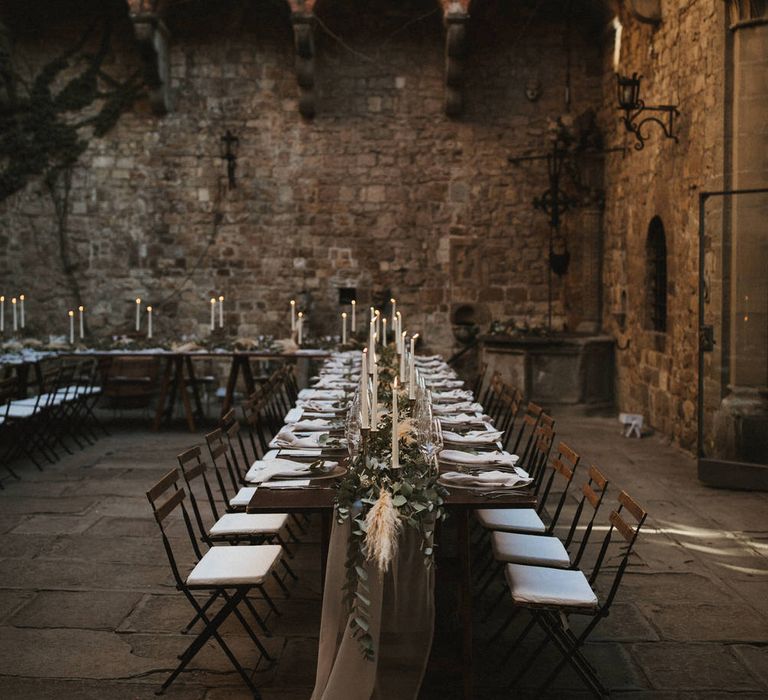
{"x": 400, "y": 334}
{"x": 412, "y": 373}
{"x": 71, "y": 327}
{"x": 23, "y": 318}
{"x": 149, "y": 322}
{"x": 365, "y": 413}
{"x": 378, "y": 323}
{"x": 374, "y": 396}
{"x": 300, "y": 327}
{"x": 15, "y": 321}
{"x": 343, "y": 327}
{"x": 383, "y": 332}
{"x": 82, "y": 325}
{"x": 395, "y": 438}
{"x": 402, "y": 358}
{"x": 293, "y": 315}
{"x": 213, "y": 313}
{"x": 138, "y": 314}
{"x": 221, "y": 311}
{"x": 373, "y": 313}
{"x": 354, "y": 315}
{"x": 371, "y": 345}
{"x": 2, "y": 314}
{"x": 393, "y": 301}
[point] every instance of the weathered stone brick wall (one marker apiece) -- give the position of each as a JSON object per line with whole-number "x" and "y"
{"x": 381, "y": 191}
{"x": 682, "y": 62}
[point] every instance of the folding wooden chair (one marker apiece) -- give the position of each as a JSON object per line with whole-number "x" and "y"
{"x": 552, "y": 595}
{"x": 223, "y": 574}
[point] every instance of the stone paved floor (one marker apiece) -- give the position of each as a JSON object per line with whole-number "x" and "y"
{"x": 88, "y": 609}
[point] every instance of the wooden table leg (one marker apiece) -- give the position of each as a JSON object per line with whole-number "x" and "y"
{"x": 185, "y": 395}
{"x": 462, "y": 523}
{"x": 195, "y": 388}
{"x": 234, "y": 370}
{"x": 250, "y": 385}
{"x": 164, "y": 385}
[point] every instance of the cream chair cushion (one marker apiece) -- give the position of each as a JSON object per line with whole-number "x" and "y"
{"x": 539, "y": 550}
{"x": 248, "y": 524}
{"x": 232, "y": 566}
{"x": 511, "y": 520}
{"x": 542, "y": 585}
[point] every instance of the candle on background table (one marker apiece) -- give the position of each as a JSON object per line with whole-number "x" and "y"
{"x": 23, "y": 318}
{"x": 293, "y": 315}
{"x": 354, "y": 315}
{"x": 149, "y": 322}
{"x": 378, "y": 323}
{"x": 375, "y": 396}
{"x": 393, "y": 301}
{"x": 82, "y": 325}
{"x": 15, "y": 321}
{"x": 395, "y": 438}
{"x": 71, "y": 327}
{"x": 373, "y": 313}
{"x": 371, "y": 345}
{"x": 402, "y": 358}
{"x": 138, "y": 314}
{"x": 365, "y": 413}
{"x": 300, "y": 327}
{"x": 343, "y": 327}
{"x": 412, "y": 373}
{"x": 213, "y": 313}
{"x": 2, "y": 314}
{"x": 383, "y": 332}
{"x": 221, "y": 311}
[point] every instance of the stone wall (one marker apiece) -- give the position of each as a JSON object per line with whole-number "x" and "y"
{"x": 381, "y": 191}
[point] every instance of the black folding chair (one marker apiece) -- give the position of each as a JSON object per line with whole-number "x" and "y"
{"x": 223, "y": 574}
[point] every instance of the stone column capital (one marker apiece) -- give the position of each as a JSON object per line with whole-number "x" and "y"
{"x": 747, "y": 12}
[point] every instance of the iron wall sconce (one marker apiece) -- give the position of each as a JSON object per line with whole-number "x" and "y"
{"x": 633, "y": 107}
{"x": 229, "y": 146}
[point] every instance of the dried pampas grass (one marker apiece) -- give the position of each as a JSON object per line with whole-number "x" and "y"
{"x": 382, "y": 530}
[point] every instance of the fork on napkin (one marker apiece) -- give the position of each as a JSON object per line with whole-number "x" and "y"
{"x": 486, "y": 458}
{"x": 490, "y": 479}
{"x": 287, "y": 438}
{"x": 264, "y": 470}
{"x": 311, "y": 426}
{"x": 473, "y": 437}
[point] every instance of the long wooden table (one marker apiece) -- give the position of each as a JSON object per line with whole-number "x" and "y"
{"x": 319, "y": 498}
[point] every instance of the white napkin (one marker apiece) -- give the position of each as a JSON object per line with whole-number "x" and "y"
{"x": 293, "y": 415}
{"x": 262, "y": 470}
{"x": 310, "y": 426}
{"x": 286, "y": 438}
{"x": 452, "y": 395}
{"x": 459, "y": 457}
{"x": 474, "y": 437}
{"x": 461, "y": 419}
{"x": 461, "y": 406}
{"x": 444, "y": 383}
{"x": 493, "y": 479}
{"x": 322, "y": 394}
{"x": 316, "y": 406}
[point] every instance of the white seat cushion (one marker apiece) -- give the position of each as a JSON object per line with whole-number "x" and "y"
{"x": 546, "y": 586}
{"x": 539, "y": 550}
{"x": 243, "y": 497}
{"x": 20, "y": 410}
{"x": 511, "y": 520}
{"x": 249, "y": 524}
{"x": 232, "y": 566}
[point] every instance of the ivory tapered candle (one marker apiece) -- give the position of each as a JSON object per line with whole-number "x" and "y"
{"x": 213, "y": 313}
{"x": 395, "y": 438}
{"x": 2, "y": 314}
{"x": 393, "y": 301}
{"x": 21, "y": 309}
{"x": 371, "y": 345}
{"x": 402, "y": 358}
{"x": 374, "y": 396}
{"x": 412, "y": 373}
{"x": 149, "y": 322}
{"x": 383, "y": 332}
{"x": 293, "y": 315}
{"x": 80, "y": 310}
{"x": 378, "y": 323}
{"x": 354, "y": 315}
{"x": 300, "y": 327}
{"x": 15, "y": 319}
{"x": 138, "y": 314}
{"x": 400, "y": 335}
{"x": 71, "y": 327}
{"x": 343, "y": 327}
{"x": 221, "y": 311}
{"x": 365, "y": 412}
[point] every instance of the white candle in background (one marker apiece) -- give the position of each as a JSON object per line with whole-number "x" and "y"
{"x": 2, "y": 314}
{"x": 374, "y": 396}
{"x": 373, "y": 313}
{"x": 138, "y": 314}
{"x": 293, "y": 315}
{"x": 395, "y": 439}
{"x": 400, "y": 335}
{"x": 393, "y": 301}
{"x": 71, "y": 327}
{"x": 402, "y": 358}
{"x": 213, "y": 313}
{"x": 300, "y": 327}
{"x": 343, "y": 327}
{"x": 149, "y": 322}
{"x": 365, "y": 417}
{"x": 15, "y": 321}
{"x": 371, "y": 345}
{"x": 378, "y": 323}
{"x": 412, "y": 375}
{"x": 383, "y": 332}
{"x": 82, "y": 325}
{"x": 221, "y": 311}
{"x": 23, "y": 319}
{"x": 354, "y": 315}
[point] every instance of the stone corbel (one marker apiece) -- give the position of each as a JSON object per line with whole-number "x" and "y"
{"x": 152, "y": 36}
{"x": 304, "y": 43}
{"x": 648, "y": 11}
{"x": 455, "y": 54}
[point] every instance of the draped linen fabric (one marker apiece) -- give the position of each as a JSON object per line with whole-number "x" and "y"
{"x": 402, "y": 617}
